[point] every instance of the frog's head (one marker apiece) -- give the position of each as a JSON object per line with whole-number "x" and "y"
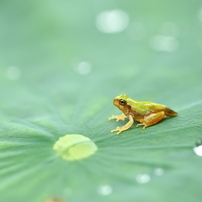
{"x": 121, "y": 102}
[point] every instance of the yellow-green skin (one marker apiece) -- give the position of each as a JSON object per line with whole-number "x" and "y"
{"x": 140, "y": 109}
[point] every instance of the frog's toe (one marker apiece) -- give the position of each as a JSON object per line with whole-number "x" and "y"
{"x": 142, "y": 124}
{"x": 110, "y": 118}
{"x": 117, "y": 128}
{"x": 118, "y": 133}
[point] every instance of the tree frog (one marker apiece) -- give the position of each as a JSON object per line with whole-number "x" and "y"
{"x": 146, "y": 112}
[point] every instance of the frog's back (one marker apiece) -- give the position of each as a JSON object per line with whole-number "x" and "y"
{"x": 148, "y": 107}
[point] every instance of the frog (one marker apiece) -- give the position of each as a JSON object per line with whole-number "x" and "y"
{"x": 147, "y": 113}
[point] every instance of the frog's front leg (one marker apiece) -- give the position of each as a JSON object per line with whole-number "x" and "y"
{"x": 118, "y": 117}
{"x": 125, "y": 127}
{"x": 151, "y": 119}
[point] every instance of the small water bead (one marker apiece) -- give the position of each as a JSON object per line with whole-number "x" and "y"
{"x": 198, "y": 148}
{"x": 73, "y": 147}
{"x": 104, "y": 190}
{"x": 113, "y": 21}
{"x": 143, "y": 178}
{"x": 83, "y": 68}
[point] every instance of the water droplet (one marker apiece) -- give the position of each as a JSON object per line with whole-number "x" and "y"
{"x": 198, "y": 148}
{"x": 143, "y": 178}
{"x": 136, "y": 30}
{"x": 104, "y": 190}
{"x": 73, "y": 147}
{"x": 113, "y": 21}
{"x": 164, "y": 43}
{"x": 13, "y": 73}
{"x": 159, "y": 171}
{"x": 83, "y": 67}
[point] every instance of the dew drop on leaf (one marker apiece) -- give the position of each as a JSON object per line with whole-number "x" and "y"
{"x": 104, "y": 190}
{"x": 198, "y": 148}
{"x": 73, "y": 147}
{"x": 143, "y": 178}
{"x": 83, "y": 68}
{"x": 113, "y": 21}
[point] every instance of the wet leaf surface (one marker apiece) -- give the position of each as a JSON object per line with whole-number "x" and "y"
{"x": 59, "y": 74}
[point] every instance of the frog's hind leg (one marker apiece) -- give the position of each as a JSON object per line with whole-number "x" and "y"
{"x": 151, "y": 119}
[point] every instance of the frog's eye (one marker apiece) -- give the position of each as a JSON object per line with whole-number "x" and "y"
{"x": 122, "y": 102}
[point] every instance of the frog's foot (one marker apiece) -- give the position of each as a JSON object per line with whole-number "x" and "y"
{"x": 118, "y": 117}
{"x": 125, "y": 127}
{"x": 142, "y": 124}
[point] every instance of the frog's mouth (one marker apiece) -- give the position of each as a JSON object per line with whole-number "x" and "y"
{"x": 116, "y": 102}
{"x": 124, "y": 109}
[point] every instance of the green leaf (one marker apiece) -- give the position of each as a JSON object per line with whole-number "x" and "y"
{"x": 59, "y": 73}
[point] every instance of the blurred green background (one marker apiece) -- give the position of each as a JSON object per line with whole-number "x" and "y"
{"x": 61, "y": 65}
